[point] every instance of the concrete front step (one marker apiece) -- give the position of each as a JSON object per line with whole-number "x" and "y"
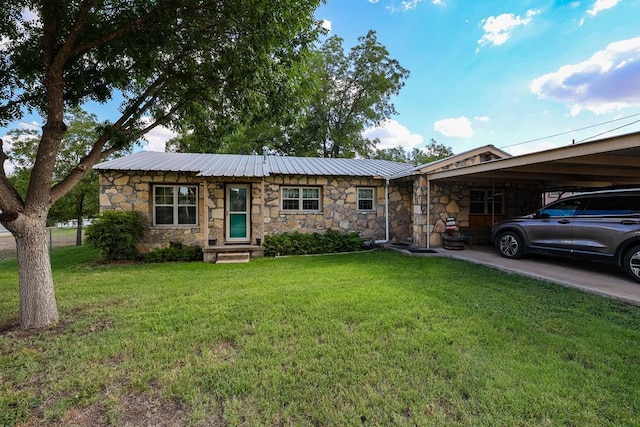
{"x": 232, "y": 257}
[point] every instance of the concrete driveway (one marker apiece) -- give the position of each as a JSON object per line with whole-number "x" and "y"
{"x": 605, "y": 280}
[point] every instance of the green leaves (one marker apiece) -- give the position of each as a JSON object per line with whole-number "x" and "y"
{"x": 297, "y": 243}
{"x": 353, "y": 91}
{"x": 116, "y": 234}
{"x": 433, "y": 151}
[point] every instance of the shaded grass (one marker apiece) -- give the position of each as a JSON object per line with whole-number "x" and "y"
{"x": 52, "y": 232}
{"x": 376, "y": 338}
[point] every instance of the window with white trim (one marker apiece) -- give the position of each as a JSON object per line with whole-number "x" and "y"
{"x": 300, "y": 198}
{"x": 486, "y": 202}
{"x": 366, "y": 199}
{"x": 175, "y": 205}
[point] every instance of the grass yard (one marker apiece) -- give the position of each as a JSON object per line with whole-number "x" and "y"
{"x": 375, "y": 338}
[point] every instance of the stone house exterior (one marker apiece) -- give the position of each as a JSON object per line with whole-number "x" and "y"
{"x": 226, "y": 202}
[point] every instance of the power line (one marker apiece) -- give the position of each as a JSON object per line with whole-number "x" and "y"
{"x": 611, "y": 130}
{"x": 577, "y": 130}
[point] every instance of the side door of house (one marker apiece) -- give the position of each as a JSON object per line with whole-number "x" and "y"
{"x": 237, "y": 209}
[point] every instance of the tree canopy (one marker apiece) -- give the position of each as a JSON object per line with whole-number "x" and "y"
{"x": 418, "y": 156}
{"x": 211, "y": 61}
{"x": 331, "y": 98}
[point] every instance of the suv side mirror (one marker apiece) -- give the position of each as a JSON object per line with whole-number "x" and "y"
{"x": 540, "y": 215}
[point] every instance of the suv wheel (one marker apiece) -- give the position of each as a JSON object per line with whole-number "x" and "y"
{"x": 631, "y": 263}
{"x": 509, "y": 245}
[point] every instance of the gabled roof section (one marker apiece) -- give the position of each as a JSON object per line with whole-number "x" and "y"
{"x": 231, "y": 165}
{"x": 475, "y": 156}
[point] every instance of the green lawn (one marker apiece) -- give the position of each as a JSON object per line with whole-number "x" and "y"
{"x": 375, "y": 338}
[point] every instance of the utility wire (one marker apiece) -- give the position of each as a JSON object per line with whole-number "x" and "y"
{"x": 611, "y": 130}
{"x": 576, "y": 130}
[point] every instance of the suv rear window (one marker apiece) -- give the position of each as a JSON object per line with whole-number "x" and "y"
{"x": 614, "y": 205}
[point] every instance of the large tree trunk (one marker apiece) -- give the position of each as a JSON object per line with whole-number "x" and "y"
{"x": 38, "y": 307}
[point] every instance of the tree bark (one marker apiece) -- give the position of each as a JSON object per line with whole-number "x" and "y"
{"x": 38, "y": 307}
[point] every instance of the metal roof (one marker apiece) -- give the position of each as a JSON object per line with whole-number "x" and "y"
{"x": 233, "y": 165}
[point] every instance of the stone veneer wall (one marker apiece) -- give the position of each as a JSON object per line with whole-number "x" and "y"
{"x": 131, "y": 191}
{"x": 339, "y": 207}
{"x": 451, "y": 199}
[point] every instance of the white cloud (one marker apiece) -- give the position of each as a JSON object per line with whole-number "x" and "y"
{"x": 481, "y": 118}
{"x": 458, "y": 127}
{"x": 9, "y": 140}
{"x": 601, "y": 5}
{"x": 4, "y": 43}
{"x": 157, "y": 138}
{"x": 608, "y": 81}
{"x": 326, "y": 24}
{"x": 498, "y": 29}
{"x": 29, "y": 15}
{"x": 7, "y": 144}
{"x": 392, "y": 134}
{"x": 518, "y": 150}
{"x": 33, "y": 125}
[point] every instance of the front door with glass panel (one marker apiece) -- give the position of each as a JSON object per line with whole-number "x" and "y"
{"x": 237, "y": 207}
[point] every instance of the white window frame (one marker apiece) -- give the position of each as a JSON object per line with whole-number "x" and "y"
{"x": 361, "y": 198}
{"x": 175, "y": 204}
{"x": 300, "y": 198}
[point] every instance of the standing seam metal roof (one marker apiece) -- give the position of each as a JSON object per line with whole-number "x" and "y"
{"x": 234, "y": 165}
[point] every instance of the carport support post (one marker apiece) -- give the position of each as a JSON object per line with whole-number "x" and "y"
{"x": 493, "y": 201}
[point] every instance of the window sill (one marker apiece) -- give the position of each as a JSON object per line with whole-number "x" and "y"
{"x": 285, "y": 212}
{"x": 165, "y": 226}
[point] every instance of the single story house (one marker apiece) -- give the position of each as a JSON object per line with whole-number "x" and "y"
{"x": 230, "y": 202}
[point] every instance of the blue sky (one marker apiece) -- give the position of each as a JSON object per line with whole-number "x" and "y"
{"x": 493, "y": 71}
{"x": 503, "y": 72}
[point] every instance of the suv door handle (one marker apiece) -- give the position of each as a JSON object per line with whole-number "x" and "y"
{"x": 628, "y": 222}
{"x": 564, "y": 221}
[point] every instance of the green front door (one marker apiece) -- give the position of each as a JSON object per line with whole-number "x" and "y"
{"x": 237, "y": 208}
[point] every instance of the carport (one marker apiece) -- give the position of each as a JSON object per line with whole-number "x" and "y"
{"x": 606, "y": 163}
{"x": 610, "y": 162}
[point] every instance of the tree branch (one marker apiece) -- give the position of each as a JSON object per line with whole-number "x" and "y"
{"x": 122, "y": 31}
{"x": 10, "y": 200}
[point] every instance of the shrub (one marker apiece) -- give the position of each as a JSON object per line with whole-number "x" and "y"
{"x": 116, "y": 233}
{"x": 297, "y": 243}
{"x": 175, "y": 253}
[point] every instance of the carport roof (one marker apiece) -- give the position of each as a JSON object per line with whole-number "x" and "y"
{"x": 606, "y": 162}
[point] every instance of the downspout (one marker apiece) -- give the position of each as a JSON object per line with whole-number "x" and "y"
{"x": 386, "y": 214}
{"x": 428, "y": 213}
{"x": 205, "y": 216}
